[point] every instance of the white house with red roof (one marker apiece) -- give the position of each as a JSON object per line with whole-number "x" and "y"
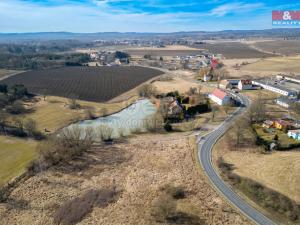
{"x": 220, "y": 97}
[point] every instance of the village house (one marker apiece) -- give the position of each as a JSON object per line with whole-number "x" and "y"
{"x": 174, "y": 109}
{"x": 268, "y": 124}
{"x": 207, "y": 77}
{"x": 245, "y": 85}
{"x": 225, "y": 84}
{"x": 282, "y": 124}
{"x": 294, "y": 134}
{"x": 220, "y": 97}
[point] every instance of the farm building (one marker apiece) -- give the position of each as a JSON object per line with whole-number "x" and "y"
{"x": 282, "y": 124}
{"x": 245, "y": 85}
{"x": 220, "y": 97}
{"x": 289, "y": 78}
{"x": 294, "y": 134}
{"x": 285, "y": 102}
{"x": 286, "y": 89}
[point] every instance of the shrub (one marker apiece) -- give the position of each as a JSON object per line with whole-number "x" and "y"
{"x": 164, "y": 211}
{"x": 16, "y": 108}
{"x": 154, "y": 123}
{"x": 168, "y": 127}
{"x": 104, "y": 133}
{"x": 74, "y": 210}
{"x": 176, "y": 192}
{"x": 70, "y": 143}
{"x": 147, "y": 90}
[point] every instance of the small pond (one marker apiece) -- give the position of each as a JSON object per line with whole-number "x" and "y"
{"x": 126, "y": 121}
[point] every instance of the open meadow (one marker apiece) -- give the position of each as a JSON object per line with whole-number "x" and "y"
{"x": 287, "y": 64}
{"x": 284, "y": 47}
{"x": 169, "y": 50}
{"x": 15, "y": 155}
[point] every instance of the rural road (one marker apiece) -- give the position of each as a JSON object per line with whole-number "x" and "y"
{"x": 205, "y": 146}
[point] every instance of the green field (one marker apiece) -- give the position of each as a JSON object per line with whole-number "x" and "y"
{"x": 15, "y": 155}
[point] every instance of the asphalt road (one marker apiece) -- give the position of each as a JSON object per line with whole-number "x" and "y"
{"x": 205, "y": 145}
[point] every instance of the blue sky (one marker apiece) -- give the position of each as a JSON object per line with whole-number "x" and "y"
{"x": 137, "y": 16}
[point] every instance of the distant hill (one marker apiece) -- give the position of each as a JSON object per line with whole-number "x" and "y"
{"x": 293, "y": 33}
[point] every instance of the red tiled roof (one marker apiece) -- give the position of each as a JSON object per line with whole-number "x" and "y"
{"x": 246, "y": 82}
{"x": 219, "y": 94}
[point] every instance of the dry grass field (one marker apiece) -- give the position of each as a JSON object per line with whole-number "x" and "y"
{"x": 168, "y": 51}
{"x": 176, "y": 84}
{"x": 15, "y": 154}
{"x": 278, "y": 170}
{"x": 288, "y": 64}
{"x": 285, "y": 47}
{"x": 140, "y": 168}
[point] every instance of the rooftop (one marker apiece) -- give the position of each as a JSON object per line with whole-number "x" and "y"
{"x": 219, "y": 93}
{"x": 282, "y": 85}
{"x": 295, "y": 131}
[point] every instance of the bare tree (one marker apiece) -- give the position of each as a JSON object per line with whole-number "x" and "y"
{"x": 240, "y": 126}
{"x": 68, "y": 144}
{"x": 213, "y": 113}
{"x": 257, "y": 110}
{"x": 44, "y": 94}
{"x": 30, "y": 126}
{"x": 3, "y": 118}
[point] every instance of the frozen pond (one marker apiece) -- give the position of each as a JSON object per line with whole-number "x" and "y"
{"x": 126, "y": 121}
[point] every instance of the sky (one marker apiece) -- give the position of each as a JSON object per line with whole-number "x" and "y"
{"x": 88, "y": 16}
